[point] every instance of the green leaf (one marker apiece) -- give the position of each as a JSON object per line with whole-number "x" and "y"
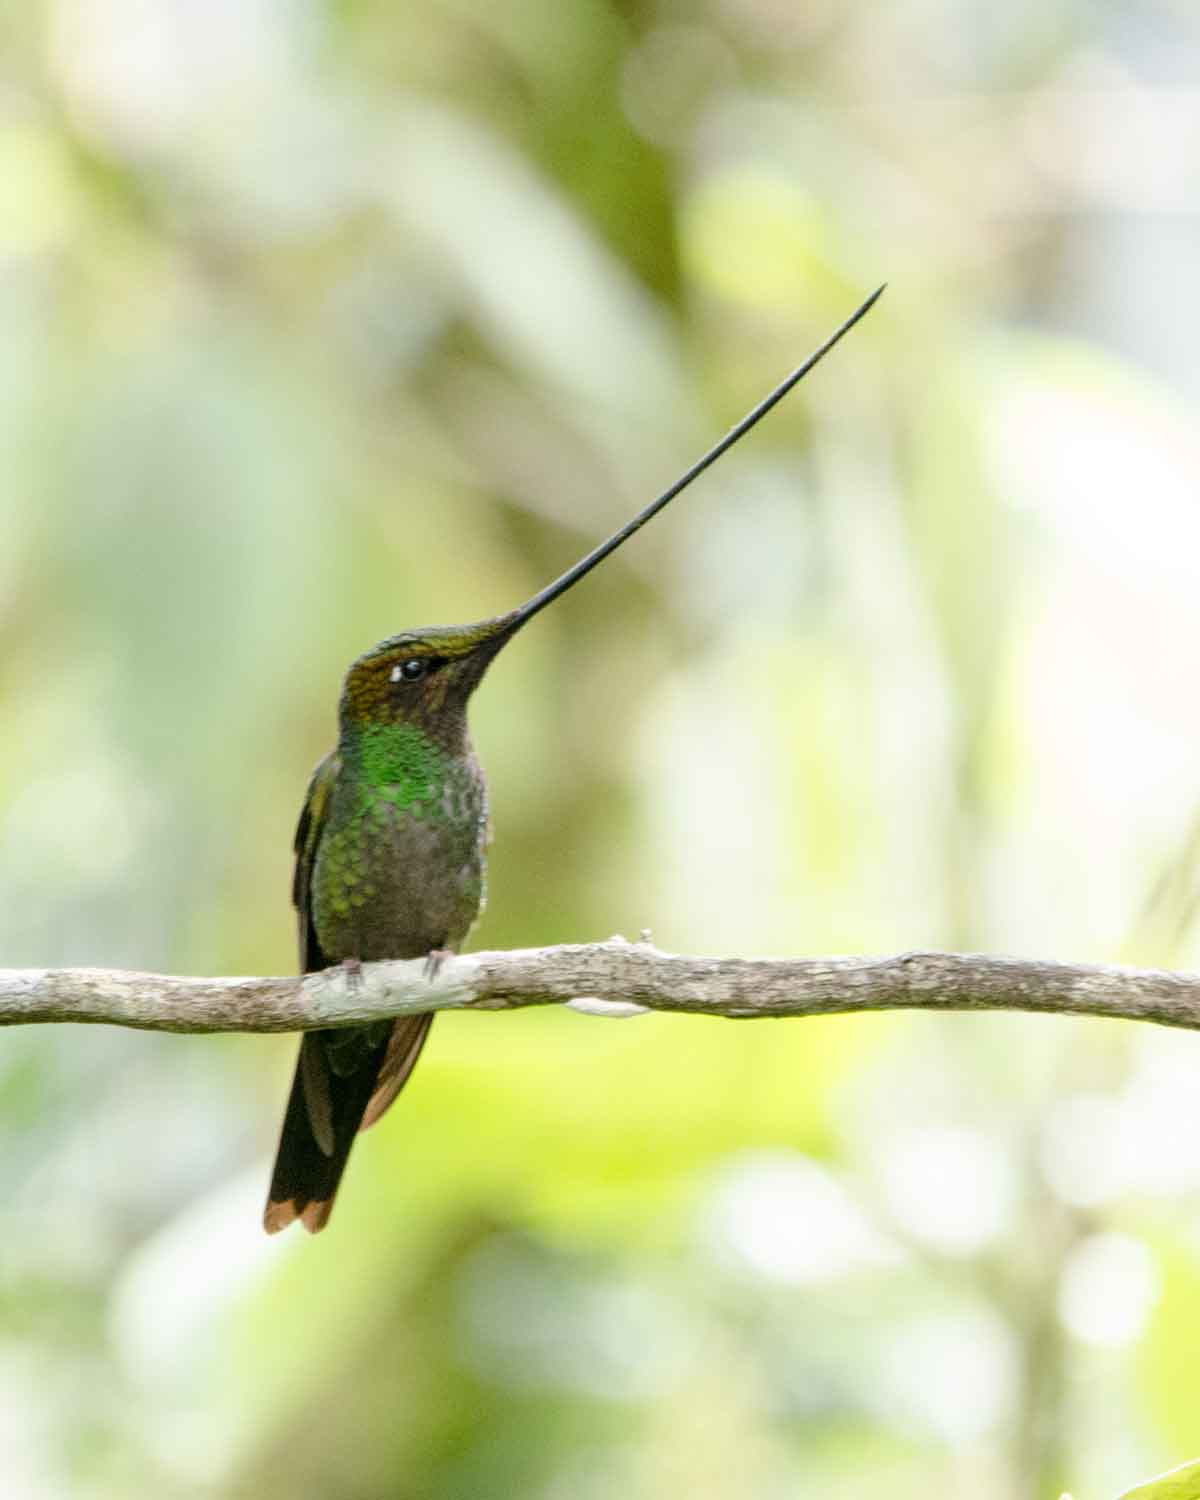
{"x": 1182, "y": 1483}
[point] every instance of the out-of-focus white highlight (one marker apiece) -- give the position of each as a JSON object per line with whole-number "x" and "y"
{"x": 1085, "y": 1156}
{"x": 167, "y": 1319}
{"x": 783, "y": 1216}
{"x": 1104, "y": 467}
{"x": 1159, "y": 1119}
{"x": 145, "y": 72}
{"x": 29, "y": 1437}
{"x": 1103, "y": 776}
{"x": 1103, "y": 139}
{"x": 948, "y": 1186}
{"x": 951, "y": 1377}
{"x": 1108, "y": 1287}
{"x": 1144, "y": 1139}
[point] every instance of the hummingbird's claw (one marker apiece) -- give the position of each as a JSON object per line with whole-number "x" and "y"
{"x": 434, "y": 960}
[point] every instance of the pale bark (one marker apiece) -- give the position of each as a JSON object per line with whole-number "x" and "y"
{"x": 614, "y": 978}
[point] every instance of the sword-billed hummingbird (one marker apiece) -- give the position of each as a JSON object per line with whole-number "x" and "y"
{"x": 390, "y": 852}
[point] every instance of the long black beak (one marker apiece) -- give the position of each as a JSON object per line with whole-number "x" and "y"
{"x": 585, "y": 565}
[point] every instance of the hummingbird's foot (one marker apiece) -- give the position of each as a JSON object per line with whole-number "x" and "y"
{"x": 352, "y": 969}
{"x": 434, "y": 960}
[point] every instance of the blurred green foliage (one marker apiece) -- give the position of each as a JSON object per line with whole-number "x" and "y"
{"x": 321, "y": 320}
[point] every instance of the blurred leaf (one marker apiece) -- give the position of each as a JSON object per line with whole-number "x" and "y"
{"x": 1166, "y": 1358}
{"x": 1182, "y": 1483}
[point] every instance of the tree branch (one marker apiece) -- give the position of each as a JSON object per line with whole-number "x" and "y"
{"x": 613, "y": 978}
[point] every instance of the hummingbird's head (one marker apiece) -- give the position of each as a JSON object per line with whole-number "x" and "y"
{"x": 423, "y": 677}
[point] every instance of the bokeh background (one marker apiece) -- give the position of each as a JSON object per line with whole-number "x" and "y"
{"x": 320, "y": 320}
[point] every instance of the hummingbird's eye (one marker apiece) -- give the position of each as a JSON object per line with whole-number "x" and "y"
{"x": 411, "y": 670}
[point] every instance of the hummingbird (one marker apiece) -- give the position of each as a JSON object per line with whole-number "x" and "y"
{"x": 390, "y": 851}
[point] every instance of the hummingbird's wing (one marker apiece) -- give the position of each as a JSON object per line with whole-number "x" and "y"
{"x": 312, "y": 1073}
{"x": 345, "y": 1078}
{"x": 308, "y": 836}
{"x": 403, "y": 1049}
{"x": 323, "y": 1111}
{"x": 407, "y": 1034}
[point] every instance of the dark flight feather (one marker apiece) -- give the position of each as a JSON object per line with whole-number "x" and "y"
{"x": 345, "y": 1079}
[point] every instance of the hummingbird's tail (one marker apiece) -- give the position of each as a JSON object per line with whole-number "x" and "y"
{"x": 328, "y": 1105}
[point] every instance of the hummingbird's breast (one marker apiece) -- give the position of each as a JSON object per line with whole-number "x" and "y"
{"x": 399, "y": 869}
